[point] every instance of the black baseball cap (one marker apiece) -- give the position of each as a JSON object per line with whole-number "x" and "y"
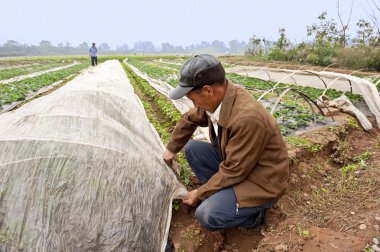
{"x": 203, "y": 69}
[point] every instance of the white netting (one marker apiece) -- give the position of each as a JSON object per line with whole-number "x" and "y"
{"x": 322, "y": 80}
{"x": 81, "y": 169}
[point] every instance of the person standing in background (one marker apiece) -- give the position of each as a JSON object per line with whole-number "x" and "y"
{"x": 94, "y": 55}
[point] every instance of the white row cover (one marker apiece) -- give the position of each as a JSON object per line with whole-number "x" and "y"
{"x": 321, "y": 80}
{"x": 81, "y": 169}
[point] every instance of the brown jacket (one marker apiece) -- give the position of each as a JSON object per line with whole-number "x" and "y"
{"x": 254, "y": 155}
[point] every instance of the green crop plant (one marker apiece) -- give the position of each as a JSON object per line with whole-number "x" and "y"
{"x": 368, "y": 248}
{"x": 8, "y": 63}
{"x": 160, "y": 125}
{"x": 261, "y": 86}
{"x": 304, "y": 233}
{"x": 292, "y": 113}
{"x": 185, "y": 172}
{"x": 304, "y": 143}
{"x": 291, "y": 116}
{"x": 161, "y": 113}
{"x": 348, "y": 168}
{"x": 362, "y": 158}
{"x": 175, "y": 204}
{"x": 167, "y": 108}
{"x": 352, "y": 123}
{"x": 23, "y": 70}
{"x": 18, "y": 90}
{"x": 168, "y": 64}
{"x": 359, "y": 162}
{"x": 154, "y": 71}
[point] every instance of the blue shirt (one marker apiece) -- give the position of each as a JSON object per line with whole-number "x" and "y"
{"x": 93, "y": 51}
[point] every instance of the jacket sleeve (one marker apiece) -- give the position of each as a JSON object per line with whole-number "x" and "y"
{"x": 186, "y": 127}
{"x": 247, "y": 141}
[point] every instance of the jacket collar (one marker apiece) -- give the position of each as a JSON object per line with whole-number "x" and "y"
{"x": 227, "y": 103}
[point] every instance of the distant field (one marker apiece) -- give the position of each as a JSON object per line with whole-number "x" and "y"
{"x": 19, "y": 90}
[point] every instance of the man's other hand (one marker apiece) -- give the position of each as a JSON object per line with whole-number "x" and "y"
{"x": 193, "y": 199}
{"x": 168, "y": 157}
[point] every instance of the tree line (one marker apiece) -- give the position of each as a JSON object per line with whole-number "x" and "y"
{"x": 14, "y": 48}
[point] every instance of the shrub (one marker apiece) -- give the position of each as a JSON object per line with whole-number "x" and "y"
{"x": 352, "y": 58}
{"x": 374, "y": 59}
{"x": 278, "y": 54}
{"x": 321, "y": 54}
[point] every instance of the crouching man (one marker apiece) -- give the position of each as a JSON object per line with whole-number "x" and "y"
{"x": 245, "y": 168}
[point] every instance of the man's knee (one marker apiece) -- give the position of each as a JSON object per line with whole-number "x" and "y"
{"x": 208, "y": 218}
{"x": 189, "y": 149}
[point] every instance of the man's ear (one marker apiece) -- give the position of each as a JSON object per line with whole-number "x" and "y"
{"x": 207, "y": 89}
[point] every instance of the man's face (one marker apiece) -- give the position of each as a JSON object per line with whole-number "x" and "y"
{"x": 201, "y": 99}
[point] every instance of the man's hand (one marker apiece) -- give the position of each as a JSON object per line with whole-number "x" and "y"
{"x": 168, "y": 157}
{"x": 193, "y": 199}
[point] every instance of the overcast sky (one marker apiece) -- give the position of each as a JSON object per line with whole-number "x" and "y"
{"x": 175, "y": 21}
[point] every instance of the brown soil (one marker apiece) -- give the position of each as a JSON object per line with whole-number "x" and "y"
{"x": 323, "y": 209}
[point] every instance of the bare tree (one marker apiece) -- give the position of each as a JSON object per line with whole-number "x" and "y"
{"x": 324, "y": 32}
{"x": 343, "y": 35}
{"x": 364, "y": 33}
{"x": 254, "y": 46}
{"x": 374, "y": 15}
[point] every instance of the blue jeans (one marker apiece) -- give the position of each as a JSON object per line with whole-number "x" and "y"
{"x": 220, "y": 210}
{"x": 94, "y": 60}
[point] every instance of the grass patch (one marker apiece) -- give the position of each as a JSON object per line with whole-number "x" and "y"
{"x": 304, "y": 143}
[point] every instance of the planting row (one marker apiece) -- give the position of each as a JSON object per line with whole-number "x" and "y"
{"x": 294, "y": 112}
{"x": 161, "y": 113}
{"x": 23, "y": 70}
{"x": 10, "y": 68}
{"x": 156, "y": 71}
{"x": 19, "y": 90}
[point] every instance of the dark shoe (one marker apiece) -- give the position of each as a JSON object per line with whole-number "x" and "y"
{"x": 257, "y": 225}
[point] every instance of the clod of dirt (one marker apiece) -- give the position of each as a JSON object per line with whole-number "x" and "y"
{"x": 281, "y": 248}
